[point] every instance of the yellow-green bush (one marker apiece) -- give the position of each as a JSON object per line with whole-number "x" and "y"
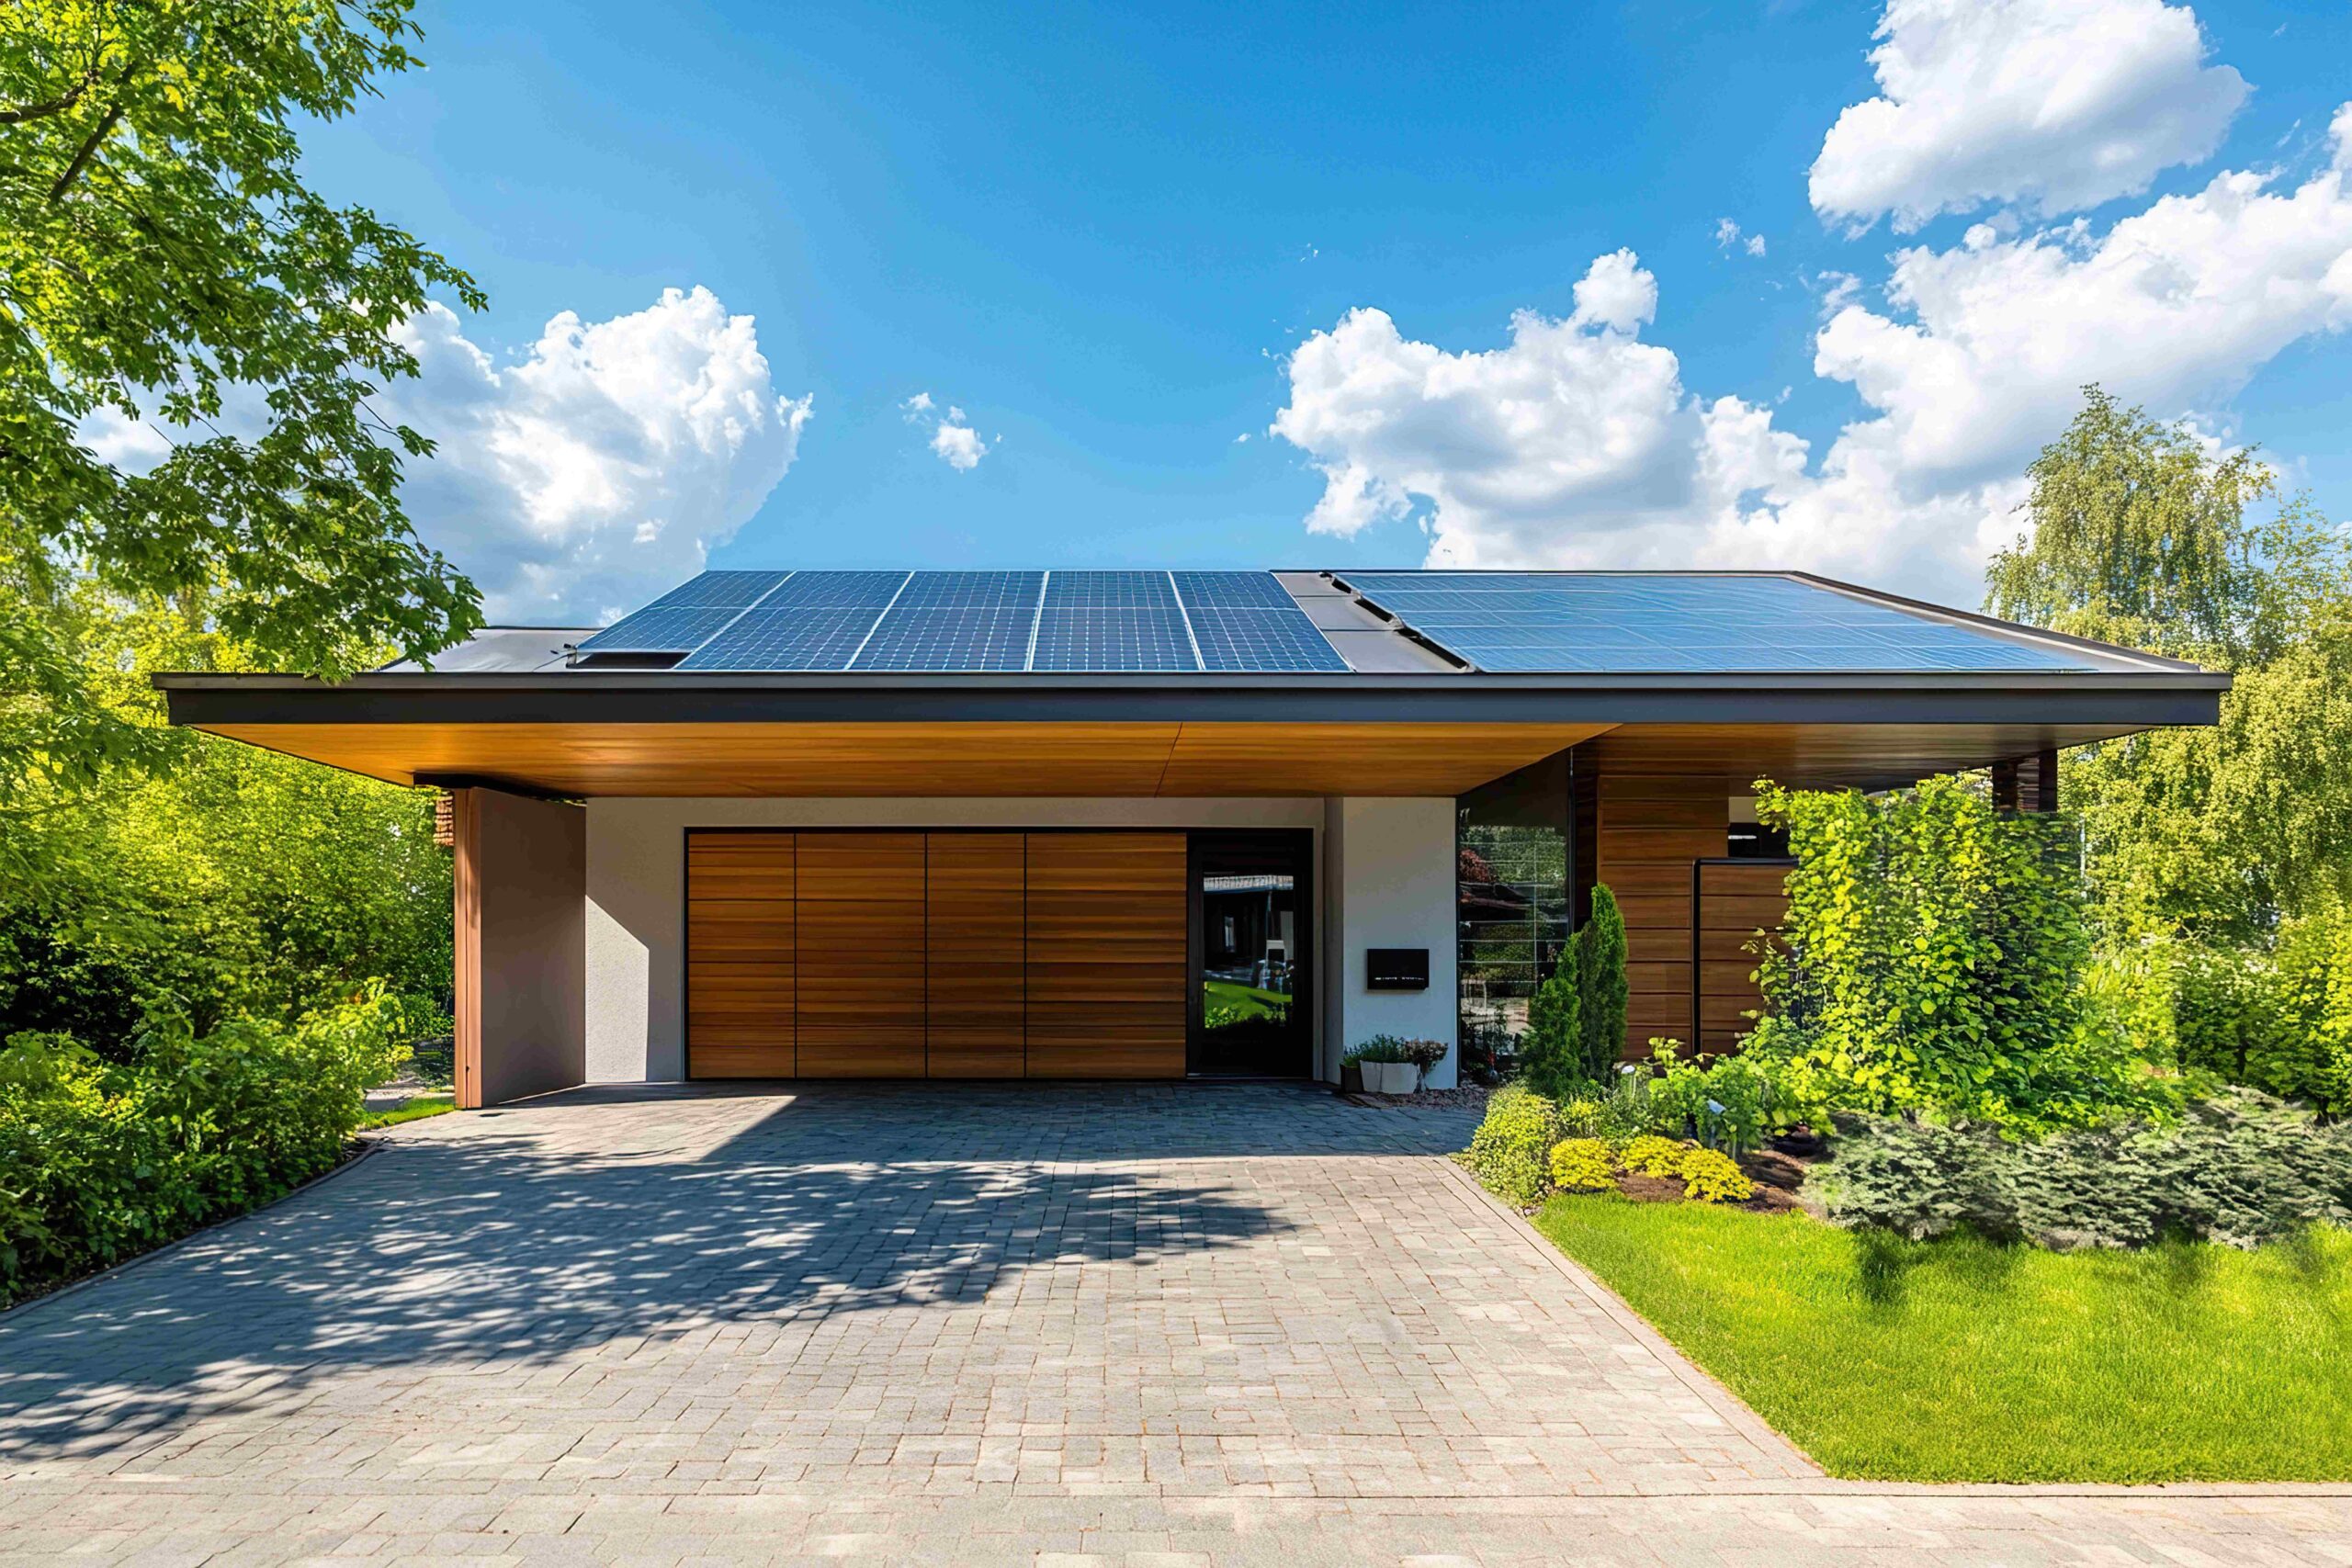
{"x": 1510, "y": 1152}
{"x": 1582, "y": 1165}
{"x": 1709, "y": 1176}
{"x": 1651, "y": 1156}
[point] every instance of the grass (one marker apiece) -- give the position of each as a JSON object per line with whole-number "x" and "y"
{"x": 1961, "y": 1361}
{"x": 1246, "y": 1001}
{"x": 412, "y": 1110}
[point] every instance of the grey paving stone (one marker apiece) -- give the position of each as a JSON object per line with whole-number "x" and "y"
{"x": 1140, "y": 1326}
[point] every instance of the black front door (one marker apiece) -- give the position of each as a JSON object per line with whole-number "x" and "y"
{"x": 1251, "y": 955}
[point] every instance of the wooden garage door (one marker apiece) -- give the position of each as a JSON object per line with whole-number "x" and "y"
{"x": 946, "y": 954}
{"x": 739, "y": 955}
{"x": 976, "y": 992}
{"x": 860, "y": 972}
{"x": 1106, "y": 955}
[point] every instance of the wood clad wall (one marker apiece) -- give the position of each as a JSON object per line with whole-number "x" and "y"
{"x": 1649, "y": 832}
{"x": 976, "y": 954}
{"x": 950, "y": 955}
{"x": 740, "y": 955}
{"x": 1106, "y": 954}
{"x": 1735, "y": 901}
{"x": 860, "y": 923}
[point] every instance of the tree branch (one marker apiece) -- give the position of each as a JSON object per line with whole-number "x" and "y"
{"x": 98, "y": 133}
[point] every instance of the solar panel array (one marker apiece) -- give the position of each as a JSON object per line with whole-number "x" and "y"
{"x": 1661, "y": 624}
{"x": 684, "y": 618}
{"x": 1247, "y": 622}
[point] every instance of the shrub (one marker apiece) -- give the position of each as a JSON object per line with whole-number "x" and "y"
{"x": 1551, "y": 1052}
{"x": 2241, "y": 1168}
{"x": 1709, "y": 1176}
{"x": 1602, "y": 987}
{"x": 1582, "y": 1165}
{"x": 100, "y": 1160}
{"x": 1651, "y": 1156}
{"x": 1509, "y": 1153}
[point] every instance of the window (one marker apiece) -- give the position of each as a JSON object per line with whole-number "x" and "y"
{"x": 1511, "y": 899}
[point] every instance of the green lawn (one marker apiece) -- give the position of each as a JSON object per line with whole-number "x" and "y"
{"x": 1959, "y": 1360}
{"x": 414, "y": 1110}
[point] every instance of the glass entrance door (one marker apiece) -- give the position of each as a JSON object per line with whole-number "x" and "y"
{"x": 1251, "y": 954}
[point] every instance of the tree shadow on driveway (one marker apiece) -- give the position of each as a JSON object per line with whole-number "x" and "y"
{"x": 516, "y": 1238}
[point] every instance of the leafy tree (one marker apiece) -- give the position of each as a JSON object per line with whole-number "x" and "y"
{"x": 1936, "y": 959}
{"x": 168, "y": 281}
{"x": 1603, "y": 989}
{"x": 2142, "y": 537}
{"x": 239, "y": 881}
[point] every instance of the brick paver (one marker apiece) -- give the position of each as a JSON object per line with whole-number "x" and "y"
{"x": 1081, "y": 1324}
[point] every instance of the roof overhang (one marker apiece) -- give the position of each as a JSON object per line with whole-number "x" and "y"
{"x": 657, "y": 732}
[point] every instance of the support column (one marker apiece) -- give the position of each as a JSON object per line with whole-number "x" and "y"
{"x": 1390, "y": 883}
{"x": 2042, "y": 787}
{"x": 521, "y": 960}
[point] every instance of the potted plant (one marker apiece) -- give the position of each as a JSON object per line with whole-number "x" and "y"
{"x": 1424, "y": 1055}
{"x": 1387, "y": 1066}
{"x": 1351, "y": 1070}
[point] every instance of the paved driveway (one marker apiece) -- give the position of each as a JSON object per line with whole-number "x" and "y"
{"x": 927, "y": 1323}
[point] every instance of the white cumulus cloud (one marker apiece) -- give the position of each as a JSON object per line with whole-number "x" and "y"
{"x": 2055, "y": 104}
{"x": 1577, "y": 444}
{"x": 953, "y": 439}
{"x": 604, "y": 466}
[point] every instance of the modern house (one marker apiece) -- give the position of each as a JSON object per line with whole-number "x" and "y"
{"x": 1150, "y": 824}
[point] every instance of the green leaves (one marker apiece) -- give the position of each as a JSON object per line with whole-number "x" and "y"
{"x": 164, "y": 272}
{"x": 101, "y": 1160}
{"x": 1934, "y": 959}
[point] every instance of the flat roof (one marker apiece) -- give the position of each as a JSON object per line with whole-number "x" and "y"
{"x": 1270, "y": 683}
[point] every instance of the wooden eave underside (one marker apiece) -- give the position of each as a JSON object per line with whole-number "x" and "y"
{"x": 1174, "y": 760}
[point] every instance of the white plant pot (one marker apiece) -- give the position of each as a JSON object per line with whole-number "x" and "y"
{"x": 1391, "y": 1077}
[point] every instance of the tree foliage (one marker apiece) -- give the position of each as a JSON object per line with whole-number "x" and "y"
{"x": 2143, "y": 536}
{"x": 169, "y": 285}
{"x": 1551, "y": 1052}
{"x": 238, "y": 882}
{"x": 1935, "y": 959}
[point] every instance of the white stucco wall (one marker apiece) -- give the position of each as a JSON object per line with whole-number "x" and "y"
{"x": 1389, "y": 881}
{"x": 637, "y": 879}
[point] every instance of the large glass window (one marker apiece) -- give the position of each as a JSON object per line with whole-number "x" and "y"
{"x": 1512, "y": 900}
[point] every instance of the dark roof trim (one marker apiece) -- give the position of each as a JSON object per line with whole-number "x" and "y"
{"x": 2126, "y": 700}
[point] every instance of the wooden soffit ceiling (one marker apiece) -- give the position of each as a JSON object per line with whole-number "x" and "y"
{"x": 1187, "y": 760}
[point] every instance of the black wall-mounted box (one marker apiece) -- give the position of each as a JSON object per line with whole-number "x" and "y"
{"x": 1395, "y": 968}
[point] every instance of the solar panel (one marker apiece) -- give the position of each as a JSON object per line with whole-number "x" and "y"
{"x": 816, "y": 621}
{"x": 1246, "y": 621}
{"x": 956, "y": 620}
{"x": 1233, "y": 590}
{"x": 1109, "y": 620}
{"x": 682, "y": 618}
{"x": 1638, "y": 623}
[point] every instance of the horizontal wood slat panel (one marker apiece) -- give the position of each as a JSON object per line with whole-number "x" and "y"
{"x": 739, "y": 955}
{"x": 1735, "y": 903}
{"x": 976, "y": 979}
{"x": 1106, "y": 953}
{"x": 860, "y": 981}
{"x": 860, "y": 866}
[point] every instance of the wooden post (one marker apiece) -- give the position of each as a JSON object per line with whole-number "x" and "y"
{"x": 2044, "y": 796}
{"x": 466, "y": 838}
{"x": 2004, "y": 786}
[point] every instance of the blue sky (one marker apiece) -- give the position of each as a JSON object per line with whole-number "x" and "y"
{"x": 1101, "y": 233}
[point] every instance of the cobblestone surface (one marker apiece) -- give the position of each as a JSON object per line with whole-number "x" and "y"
{"x": 1118, "y": 1325}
